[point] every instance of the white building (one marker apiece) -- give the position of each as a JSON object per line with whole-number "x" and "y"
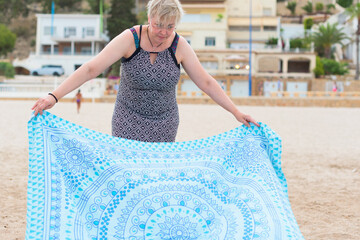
{"x": 68, "y": 40}
{"x": 221, "y": 24}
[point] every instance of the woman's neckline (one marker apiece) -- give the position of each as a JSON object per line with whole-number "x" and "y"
{"x": 154, "y": 52}
{"x": 147, "y": 26}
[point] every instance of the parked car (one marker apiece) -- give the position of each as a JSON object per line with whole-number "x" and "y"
{"x": 54, "y": 70}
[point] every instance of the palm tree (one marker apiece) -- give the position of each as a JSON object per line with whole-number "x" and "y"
{"x": 326, "y": 36}
{"x": 354, "y": 12}
{"x": 292, "y": 7}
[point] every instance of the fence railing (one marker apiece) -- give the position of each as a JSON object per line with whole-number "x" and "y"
{"x": 314, "y": 94}
{"x": 39, "y": 87}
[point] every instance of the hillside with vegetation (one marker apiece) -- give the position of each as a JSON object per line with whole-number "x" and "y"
{"x": 19, "y": 16}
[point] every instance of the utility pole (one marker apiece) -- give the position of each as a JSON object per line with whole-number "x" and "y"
{"x": 357, "y": 42}
{"x": 250, "y": 45}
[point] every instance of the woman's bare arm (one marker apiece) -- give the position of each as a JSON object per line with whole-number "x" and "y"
{"x": 117, "y": 48}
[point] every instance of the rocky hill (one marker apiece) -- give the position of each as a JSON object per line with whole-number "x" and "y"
{"x": 25, "y": 29}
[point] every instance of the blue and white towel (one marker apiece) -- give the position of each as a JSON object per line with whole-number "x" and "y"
{"x": 88, "y": 185}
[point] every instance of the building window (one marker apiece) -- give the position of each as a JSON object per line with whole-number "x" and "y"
{"x": 267, "y": 11}
{"x": 210, "y": 41}
{"x": 76, "y": 66}
{"x": 85, "y": 50}
{"x": 269, "y": 28}
{"x": 196, "y": 18}
{"x": 46, "y": 49}
{"x": 47, "y": 31}
{"x": 69, "y": 31}
{"x": 67, "y": 50}
{"x": 88, "y": 31}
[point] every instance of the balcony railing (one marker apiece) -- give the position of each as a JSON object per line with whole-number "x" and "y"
{"x": 68, "y": 53}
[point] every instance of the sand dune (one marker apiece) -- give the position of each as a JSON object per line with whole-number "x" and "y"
{"x": 321, "y": 149}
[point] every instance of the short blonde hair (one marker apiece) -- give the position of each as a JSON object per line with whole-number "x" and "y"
{"x": 165, "y": 10}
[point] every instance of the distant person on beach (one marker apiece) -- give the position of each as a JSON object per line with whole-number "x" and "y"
{"x": 146, "y": 107}
{"x": 334, "y": 88}
{"x": 78, "y": 99}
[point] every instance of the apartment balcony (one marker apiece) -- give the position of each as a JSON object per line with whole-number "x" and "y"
{"x": 202, "y": 1}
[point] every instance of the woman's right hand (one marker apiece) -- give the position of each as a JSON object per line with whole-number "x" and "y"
{"x": 43, "y": 104}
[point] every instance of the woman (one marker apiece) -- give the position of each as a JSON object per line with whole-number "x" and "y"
{"x": 78, "y": 99}
{"x": 146, "y": 108}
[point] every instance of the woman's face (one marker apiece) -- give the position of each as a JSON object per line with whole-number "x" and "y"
{"x": 161, "y": 31}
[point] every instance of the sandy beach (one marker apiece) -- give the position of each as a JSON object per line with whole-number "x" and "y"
{"x": 321, "y": 159}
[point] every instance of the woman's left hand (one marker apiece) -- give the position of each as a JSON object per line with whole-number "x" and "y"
{"x": 246, "y": 119}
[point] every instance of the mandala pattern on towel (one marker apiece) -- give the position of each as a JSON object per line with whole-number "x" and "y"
{"x": 88, "y": 185}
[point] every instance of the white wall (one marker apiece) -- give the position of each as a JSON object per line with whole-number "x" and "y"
{"x": 61, "y": 21}
{"x": 37, "y": 61}
{"x": 241, "y": 8}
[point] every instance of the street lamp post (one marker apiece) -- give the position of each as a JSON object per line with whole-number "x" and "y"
{"x": 250, "y": 45}
{"x": 357, "y": 44}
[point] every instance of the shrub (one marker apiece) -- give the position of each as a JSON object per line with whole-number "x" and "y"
{"x": 297, "y": 43}
{"x": 22, "y": 31}
{"x": 292, "y": 7}
{"x": 7, "y": 70}
{"x": 308, "y": 23}
{"x": 308, "y": 8}
{"x": 272, "y": 41}
{"x": 319, "y": 69}
{"x": 319, "y": 7}
{"x": 332, "y": 67}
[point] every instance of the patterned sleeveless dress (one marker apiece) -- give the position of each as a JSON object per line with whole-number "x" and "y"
{"x": 146, "y": 108}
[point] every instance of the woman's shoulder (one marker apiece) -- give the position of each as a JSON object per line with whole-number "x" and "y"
{"x": 137, "y": 28}
{"x": 183, "y": 49}
{"x": 183, "y": 44}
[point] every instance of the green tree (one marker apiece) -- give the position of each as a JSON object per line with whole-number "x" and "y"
{"x": 292, "y": 7}
{"x": 308, "y": 7}
{"x": 142, "y": 17}
{"x": 7, "y": 70}
{"x": 345, "y": 3}
{"x": 326, "y": 36}
{"x": 7, "y": 40}
{"x": 121, "y": 18}
{"x": 319, "y": 69}
{"x": 62, "y": 5}
{"x": 354, "y": 12}
{"x": 95, "y": 6}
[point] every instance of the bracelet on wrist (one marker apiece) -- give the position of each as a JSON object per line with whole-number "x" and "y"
{"x": 53, "y": 96}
